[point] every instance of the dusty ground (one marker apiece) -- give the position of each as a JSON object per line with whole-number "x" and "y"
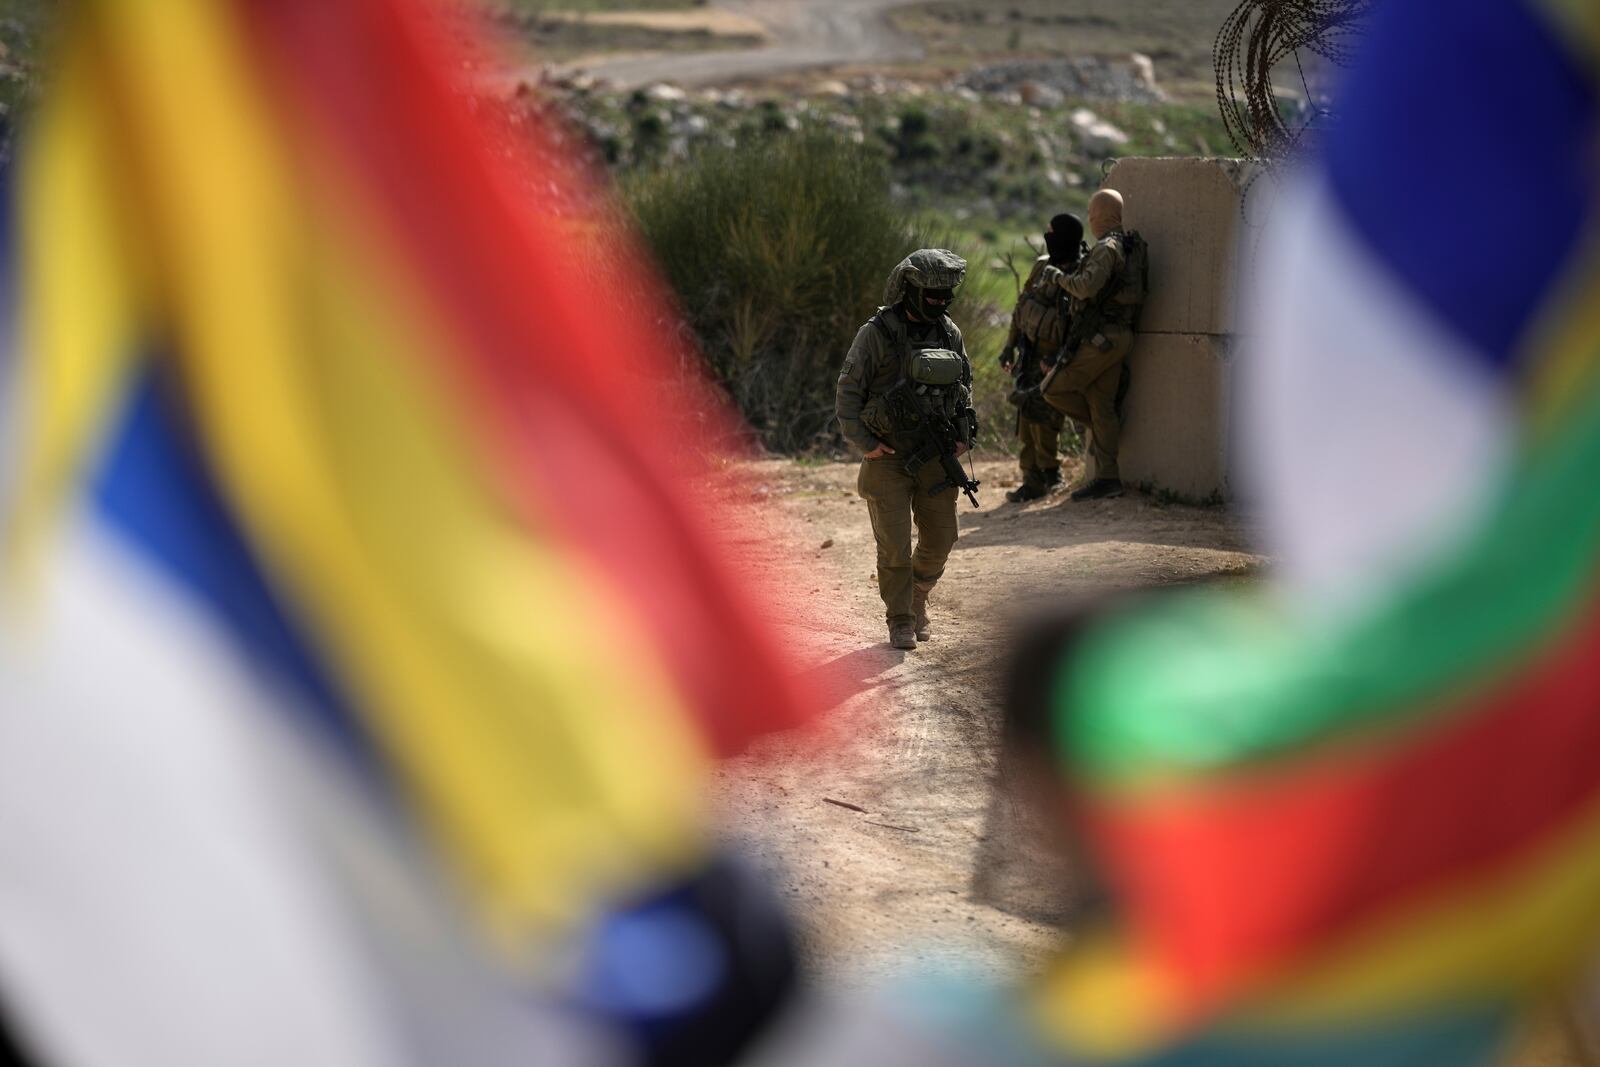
{"x": 933, "y": 866}
{"x": 802, "y": 36}
{"x": 710, "y": 19}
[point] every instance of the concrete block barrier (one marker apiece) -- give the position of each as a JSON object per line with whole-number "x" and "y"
{"x": 1175, "y": 437}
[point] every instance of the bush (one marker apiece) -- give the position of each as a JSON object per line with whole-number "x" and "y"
{"x": 777, "y": 251}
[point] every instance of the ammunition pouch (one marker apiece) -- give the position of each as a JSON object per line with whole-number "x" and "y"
{"x": 1042, "y": 319}
{"x": 877, "y": 415}
{"x": 936, "y": 367}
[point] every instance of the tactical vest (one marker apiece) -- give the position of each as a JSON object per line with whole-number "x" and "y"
{"x": 1041, "y": 317}
{"x": 939, "y": 375}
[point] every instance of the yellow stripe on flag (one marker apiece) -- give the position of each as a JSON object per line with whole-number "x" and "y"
{"x": 79, "y": 283}
{"x": 1488, "y": 940}
{"x": 1497, "y": 935}
{"x": 529, "y": 710}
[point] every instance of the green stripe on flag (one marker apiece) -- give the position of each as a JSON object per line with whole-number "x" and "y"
{"x": 1210, "y": 679}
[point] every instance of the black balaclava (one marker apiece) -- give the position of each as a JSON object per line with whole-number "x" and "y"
{"x": 1064, "y": 239}
{"x": 928, "y": 305}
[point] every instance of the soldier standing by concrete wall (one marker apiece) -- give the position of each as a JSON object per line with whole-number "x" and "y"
{"x": 1038, "y": 329}
{"x": 911, "y": 340}
{"x": 1089, "y": 378}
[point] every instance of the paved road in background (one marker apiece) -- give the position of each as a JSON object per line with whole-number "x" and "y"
{"x": 806, "y": 34}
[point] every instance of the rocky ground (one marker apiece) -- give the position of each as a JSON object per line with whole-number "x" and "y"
{"x": 898, "y": 845}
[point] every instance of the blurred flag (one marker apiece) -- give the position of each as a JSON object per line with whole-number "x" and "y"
{"x": 1361, "y": 823}
{"x": 345, "y": 494}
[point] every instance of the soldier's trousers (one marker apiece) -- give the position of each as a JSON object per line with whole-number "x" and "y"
{"x": 1085, "y": 390}
{"x": 896, "y": 501}
{"x": 1041, "y": 466}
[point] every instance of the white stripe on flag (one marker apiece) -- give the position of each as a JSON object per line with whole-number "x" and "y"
{"x": 1371, "y": 437}
{"x": 157, "y": 908}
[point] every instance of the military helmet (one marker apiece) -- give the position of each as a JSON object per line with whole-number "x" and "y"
{"x": 926, "y": 268}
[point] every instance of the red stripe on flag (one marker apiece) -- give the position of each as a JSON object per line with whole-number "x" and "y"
{"x": 1257, "y": 873}
{"x": 564, "y": 374}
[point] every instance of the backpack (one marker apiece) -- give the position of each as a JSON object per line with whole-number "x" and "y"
{"x": 1133, "y": 286}
{"x": 1043, "y": 319}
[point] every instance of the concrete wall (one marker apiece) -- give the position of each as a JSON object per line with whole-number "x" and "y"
{"x": 1175, "y": 435}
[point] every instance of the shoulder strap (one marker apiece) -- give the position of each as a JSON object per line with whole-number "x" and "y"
{"x": 895, "y": 334}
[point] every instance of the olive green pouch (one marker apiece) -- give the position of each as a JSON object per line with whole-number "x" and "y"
{"x": 875, "y": 417}
{"x": 936, "y": 366}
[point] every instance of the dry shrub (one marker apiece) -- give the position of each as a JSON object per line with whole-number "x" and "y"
{"x": 778, "y": 252}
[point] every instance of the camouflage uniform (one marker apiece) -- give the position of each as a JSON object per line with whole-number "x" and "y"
{"x": 1085, "y": 387}
{"x": 1038, "y": 442}
{"x": 896, "y": 499}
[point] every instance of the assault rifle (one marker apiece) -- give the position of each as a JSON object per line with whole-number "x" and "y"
{"x": 1026, "y": 392}
{"x": 940, "y": 437}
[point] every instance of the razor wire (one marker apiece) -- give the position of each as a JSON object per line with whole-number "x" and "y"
{"x": 1257, "y": 39}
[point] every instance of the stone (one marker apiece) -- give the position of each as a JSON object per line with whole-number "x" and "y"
{"x": 664, "y": 93}
{"x": 1039, "y": 94}
{"x": 1096, "y": 136}
{"x": 1144, "y": 74}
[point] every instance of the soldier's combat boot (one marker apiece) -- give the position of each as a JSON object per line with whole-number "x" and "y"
{"x": 1024, "y": 493}
{"x": 919, "y": 606}
{"x": 901, "y": 635}
{"x": 1099, "y": 489}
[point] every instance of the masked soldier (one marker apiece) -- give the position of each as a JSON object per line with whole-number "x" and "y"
{"x": 1038, "y": 330}
{"x": 1107, "y": 290}
{"x": 906, "y": 372}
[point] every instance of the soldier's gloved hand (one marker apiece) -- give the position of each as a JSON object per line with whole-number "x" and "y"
{"x": 1051, "y": 273}
{"x": 880, "y": 451}
{"x": 1008, "y": 356}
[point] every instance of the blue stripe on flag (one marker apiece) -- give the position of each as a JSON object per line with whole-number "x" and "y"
{"x": 156, "y": 491}
{"x": 1465, "y": 156}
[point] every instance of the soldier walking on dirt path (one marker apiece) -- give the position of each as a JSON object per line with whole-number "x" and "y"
{"x": 1038, "y": 330}
{"x": 904, "y": 399}
{"x": 1090, "y": 377}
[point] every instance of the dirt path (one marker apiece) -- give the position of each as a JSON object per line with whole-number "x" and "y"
{"x": 933, "y": 866}
{"x": 804, "y": 34}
